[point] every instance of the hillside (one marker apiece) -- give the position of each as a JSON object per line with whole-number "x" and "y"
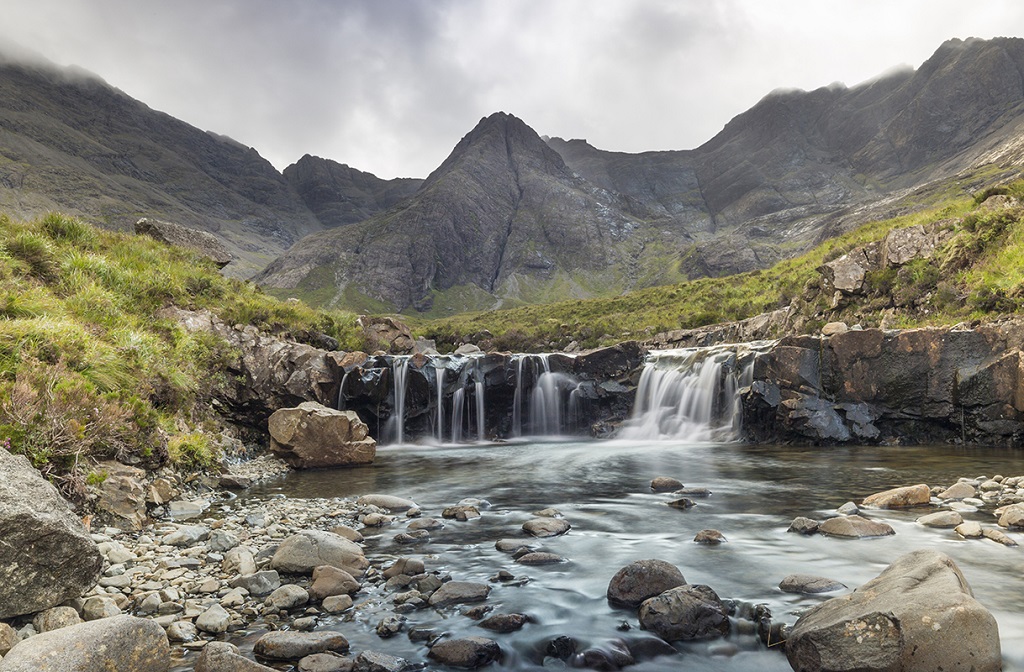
{"x": 793, "y": 170}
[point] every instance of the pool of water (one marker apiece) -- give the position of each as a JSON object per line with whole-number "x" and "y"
{"x": 603, "y": 490}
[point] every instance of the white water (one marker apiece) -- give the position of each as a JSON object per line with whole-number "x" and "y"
{"x": 439, "y": 369}
{"x": 396, "y": 423}
{"x": 692, "y": 393}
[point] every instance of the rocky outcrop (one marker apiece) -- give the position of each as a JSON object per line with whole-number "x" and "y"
{"x": 116, "y": 643}
{"x": 918, "y": 614}
{"x": 758, "y": 328}
{"x": 47, "y": 556}
{"x": 312, "y": 435}
{"x": 202, "y": 243}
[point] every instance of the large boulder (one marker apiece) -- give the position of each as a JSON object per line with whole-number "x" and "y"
{"x": 918, "y": 614}
{"x": 900, "y": 498}
{"x": 303, "y": 552}
{"x": 312, "y": 435}
{"x": 116, "y": 643}
{"x": 47, "y": 556}
{"x": 685, "y": 613}
{"x": 225, "y": 657}
{"x": 201, "y": 242}
{"x": 641, "y": 580}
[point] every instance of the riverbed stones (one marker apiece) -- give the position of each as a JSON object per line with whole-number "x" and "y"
{"x": 303, "y": 552}
{"x": 807, "y": 584}
{"x": 225, "y": 657}
{"x": 117, "y": 643}
{"x": 55, "y": 618}
{"x": 467, "y": 653}
{"x": 803, "y": 525}
{"x": 326, "y": 662}
{"x": 336, "y": 604}
{"x": 505, "y": 623}
{"x": 288, "y": 596}
{"x": 329, "y": 581}
{"x": 709, "y": 538}
{"x": 855, "y": 527}
{"x": 99, "y": 606}
{"x": 375, "y": 661}
{"x": 918, "y": 614}
{"x": 389, "y": 502}
{"x": 258, "y": 584}
{"x": 1012, "y": 517}
{"x": 540, "y": 558}
{"x": 312, "y": 436}
{"x": 685, "y": 613}
{"x": 214, "y": 620}
{"x": 959, "y": 490}
{"x": 900, "y": 498}
{"x": 665, "y": 484}
{"x": 641, "y": 580}
{"x": 288, "y": 645}
{"x": 459, "y": 592}
{"x": 239, "y": 560}
{"x": 546, "y": 527}
{"x": 47, "y": 556}
{"x": 970, "y": 529}
{"x": 941, "y": 519}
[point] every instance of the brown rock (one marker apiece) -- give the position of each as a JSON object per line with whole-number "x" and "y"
{"x": 900, "y": 498}
{"x": 710, "y": 537}
{"x": 854, "y": 527}
{"x": 959, "y": 490}
{"x": 468, "y": 653}
{"x": 290, "y": 645}
{"x": 329, "y": 581}
{"x": 641, "y": 580}
{"x": 665, "y": 484}
{"x": 312, "y": 435}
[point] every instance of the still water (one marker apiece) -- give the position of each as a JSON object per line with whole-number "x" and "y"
{"x": 603, "y": 490}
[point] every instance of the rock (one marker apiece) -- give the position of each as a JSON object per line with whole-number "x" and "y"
{"x": 47, "y": 557}
{"x": 118, "y": 643}
{"x": 685, "y": 613}
{"x": 258, "y": 584}
{"x": 187, "y": 510}
{"x": 374, "y": 661}
{"x": 1012, "y": 517}
{"x": 693, "y": 492}
{"x": 833, "y": 328}
{"x": 809, "y": 585}
{"x": 347, "y": 532}
{"x": 329, "y": 581}
{"x": 665, "y": 484}
{"x": 389, "y": 626}
{"x": 958, "y": 490}
{"x": 231, "y": 481}
{"x": 8, "y": 638}
{"x": 511, "y": 545}
{"x": 537, "y": 558}
{"x": 907, "y": 243}
{"x": 186, "y": 535}
{"x": 641, "y": 580}
{"x": 462, "y": 513}
{"x": 459, "y": 592}
{"x": 854, "y": 527}
{"x": 546, "y": 527}
{"x": 969, "y": 530}
{"x": 427, "y": 524}
{"x": 467, "y": 349}
{"x": 288, "y": 597}
{"x": 848, "y": 509}
{"x": 467, "y": 653}
{"x": 55, "y": 618}
{"x": 388, "y": 502}
{"x": 710, "y": 537}
{"x": 239, "y": 560}
{"x": 505, "y": 622}
{"x": 222, "y": 541}
{"x": 326, "y": 662}
{"x": 918, "y": 614}
{"x": 214, "y": 620}
{"x": 224, "y": 657}
{"x": 303, "y": 552}
{"x": 387, "y": 333}
{"x": 182, "y": 631}
{"x": 998, "y": 536}
{"x": 336, "y": 604}
{"x": 682, "y": 503}
{"x": 122, "y": 495}
{"x": 203, "y": 243}
{"x": 99, "y": 606}
{"x": 846, "y": 274}
{"x": 312, "y": 435}
{"x": 286, "y": 645}
{"x": 941, "y": 519}
{"x": 900, "y": 498}
{"x": 802, "y": 525}
{"x": 407, "y": 566}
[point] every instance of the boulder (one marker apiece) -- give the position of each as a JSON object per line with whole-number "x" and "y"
{"x": 329, "y": 581}
{"x": 117, "y": 643}
{"x": 225, "y": 657}
{"x": 709, "y": 537}
{"x": 375, "y": 661}
{"x": 122, "y": 496}
{"x": 665, "y": 484}
{"x": 389, "y": 502}
{"x": 941, "y": 519}
{"x": 47, "y": 557}
{"x": 1012, "y": 517}
{"x": 288, "y": 596}
{"x": 467, "y": 653}
{"x": 959, "y": 490}
{"x": 289, "y": 645}
{"x": 854, "y": 527}
{"x": 459, "y": 592}
{"x": 546, "y": 527}
{"x": 846, "y": 274}
{"x": 970, "y": 529}
{"x": 505, "y": 622}
{"x": 641, "y": 580}
{"x": 303, "y": 552}
{"x": 387, "y": 333}
{"x": 808, "y": 585}
{"x": 685, "y": 613}
{"x": 214, "y": 620}
{"x": 900, "y": 498}
{"x": 918, "y": 614}
{"x": 312, "y": 435}
{"x": 56, "y": 618}
{"x": 326, "y": 662}
{"x": 803, "y": 525}
{"x": 202, "y": 243}
{"x": 910, "y": 242}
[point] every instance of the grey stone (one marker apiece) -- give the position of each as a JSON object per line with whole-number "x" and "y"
{"x": 303, "y": 552}
{"x": 312, "y": 436}
{"x": 118, "y": 643}
{"x": 546, "y": 527}
{"x": 224, "y": 657}
{"x": 808, "y": 584}
{"x": 201, "y": 242}
{"x": 802, "y": 525}
{"x": 258, "y": 584}
{"x": 285, "y": 645}
{"x": 182, "y": 631}
{"x": 941, "y": 519}
{"x": 214, "y": 620}
{"x": 222, "y": 541}
{"x": 459, "y": 592}
{"x": 326, "y": 662}
{"x": 389, "y": 502}
{"x": 329, "y": 581}
{"x": 288, "y": 597}
{"x": 854, "y": 527}
{"x": 710, "y": 537}
{"x": 685, "y": 613}
{"x": 641, "y": 580}
{"x": 665, "y": 484}
{"x": 970, "y": 529}
{"x": 538, "y": 558}
{"x": 239, "y": 560}
{"x": 55, "y": 618}
{"x": 99, "y": 606}
{"x": 468, "y": 653}
{"x": 336, "y": 604}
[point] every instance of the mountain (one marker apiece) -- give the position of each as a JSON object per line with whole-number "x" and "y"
{"x": 507, "y": 219}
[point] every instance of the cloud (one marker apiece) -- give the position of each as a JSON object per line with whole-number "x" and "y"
{"x": 390, "y": 86}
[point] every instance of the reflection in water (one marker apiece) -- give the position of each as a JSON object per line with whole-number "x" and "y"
{"x": 603, "y": 491}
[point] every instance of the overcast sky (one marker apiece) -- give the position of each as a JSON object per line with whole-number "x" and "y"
{"x": 390, "y": 86}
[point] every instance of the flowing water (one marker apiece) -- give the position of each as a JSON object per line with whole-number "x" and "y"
{"x": 603, "y": 490}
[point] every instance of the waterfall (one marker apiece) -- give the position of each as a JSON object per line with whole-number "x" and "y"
{"x": 458, "y": 400}
{"x": 400, "y": 375}
{"x": 480, "y": 417}
{"x": 439, "y": 369}
{"x": 517, "y": 399}
{"x": 341, "y": 392}
{"x": 548, "y": 396}
{"x": 692, "y": 394}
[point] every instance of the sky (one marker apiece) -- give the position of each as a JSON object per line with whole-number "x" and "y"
{"x": 390, "y": 86}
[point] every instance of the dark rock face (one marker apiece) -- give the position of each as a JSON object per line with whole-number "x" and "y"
{"x": 47, "y": 556}
{"x": 202, "y": 242}
{"x": 903, "y": 620}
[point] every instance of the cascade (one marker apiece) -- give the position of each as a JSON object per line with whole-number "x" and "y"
{"x": 517, "y": 399}
{"x": 400, "y": 375}
{"x": 439, "y": 369}
{"x": 341, "y": 392}
{"x": 692, "y": 393}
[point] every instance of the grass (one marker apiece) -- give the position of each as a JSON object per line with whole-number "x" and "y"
{"x": 91, "y": 369}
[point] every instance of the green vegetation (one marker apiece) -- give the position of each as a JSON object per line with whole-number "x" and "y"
{"x": 92, "y": 368}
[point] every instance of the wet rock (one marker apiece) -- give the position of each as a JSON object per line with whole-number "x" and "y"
{"x": 682, "y": 503}
{"x": 505, "y": 622}
{"x": 55, "y": 618}
{"x": 848, "y": 509}
{"x": 546, "y": 527}
{"x": 900, "y": 498}
{"x": 258, "y": 584}
{"x": 413, "y": 537}
{"x": 802, "y": 525}
{"x": 347, "y": 532}
{"x": 808, "y": 584}
{"x": 285, "y": 645}
{"x": 459, "y": 592}
{"x": 337, "y": 603}
{"x": 329, "y": 581}
{"x": 511, "y": 545}
{"x": 182, "y": 631}
{"x": 214, "y": 620}
{"x": 641, "y": 580}
{"x": 477, "y": 612}
{"x": 548, "y": 513}
{"x": 562, "y": 648}
{"x": 468, "y": 653}
{"x": 998, "y": 536}
{"x": 46, "y": 557}
{"x": 710, "y": 537}
{"x": 461, "y": 513}
{"x": 941, "y": 519}
{"x": 538, "y": 558}
{"x": 118, "y": 643}
{"x": 665, "y": 484}
{"x": 693, "y": 492}
{"x": 969, "y": 529}
{"x": 288, "y": 597}
{"x": 685, "y": 613}
{"x": 407, "y": 566}
{"x": 389, "y": 502}
{"x": 389, "y": 626}
{"x": 854, "y": 527}
{"x": 918, "y": 614}
{"x": 374, "y": 661}
{"x": 959, "y": 490}
{"x": 312, "y": 435}
{"x": 303, "y": 552}
{"x": 326, "y": 662}
{"x": 1012, "y": 517}
{"x": 225, "y": 657}
{"x": 427, "y": 524}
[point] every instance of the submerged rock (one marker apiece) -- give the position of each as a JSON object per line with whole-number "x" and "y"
{"x": 918, "y": 614}
{"x": 459, "y": 592}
